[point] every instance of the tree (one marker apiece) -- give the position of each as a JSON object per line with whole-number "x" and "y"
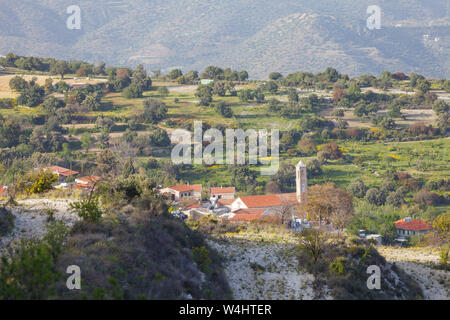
{"x": 175, "y": 74}
{"x": 86, "y": 141}
{"x": 329, "y": 204}
{"x": 427, "y": 198}
{"x": 292, "y": 95}
{"x": 243, "y": 75}
{"x": 154, "y": 110}
{"x": 423, "y": 85}
{"x": 219, "y": 88}
{"x": 272, "y": 187}
{"x": 103, "y": 139}
{"x": 128, "y": 168}
{"x": 285, "y": 212}
{"x": 332, "y": 151}
{"x": 245, "y": 95}
{"x": 314, "y": 168}
{"x": 395, "y": 199}
{"x": 160, "y": 138}
{"x": 205, "y": 94}
{"x": 133, "y": 91}
{"x": 313, "y": 243}
{"x": 307, "y": 146}
{"x": 106, "y": 163}
{"x": 358, "y": 188}
{"x": 104, "y": 123}
{"x": 32, "y": 96}
{"x": 163, "y": 91}
{"x": 275, "y": 76}
{"x": 441, "y": 227}
{"x": 66, "y": 152}
{"x": 375, "y": 196}
{"x": 338, "y": 95}
{"x": 223, "y": 109}
{"x": 242, "y": 177}
{"x": 440, "y": 106}
{"x": 18, "y": 84}
{"x": 100, "y": 68}
{"x": 91, "y": 102}
{"x": 60, "y": 67}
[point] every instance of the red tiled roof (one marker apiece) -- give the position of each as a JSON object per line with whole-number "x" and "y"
{"x": 269, "y": 200}
{"x": 221, "y": 190}
{"x": 225, "y": 202}
{"x": 62, "y": 171}
{"x": 246, "y": 217}
{"x": 253, "y": 211}
{"x": 187, "y": 187}
{"x": 89, "y": 179}
{"x": 415, "y": 225}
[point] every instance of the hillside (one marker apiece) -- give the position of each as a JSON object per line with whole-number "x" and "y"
{"x": 260, "y": 36}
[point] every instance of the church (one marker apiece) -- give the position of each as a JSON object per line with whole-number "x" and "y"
{"x": 275, "y": 201}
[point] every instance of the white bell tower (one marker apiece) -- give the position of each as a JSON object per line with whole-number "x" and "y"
{"x": 301, "y": 181}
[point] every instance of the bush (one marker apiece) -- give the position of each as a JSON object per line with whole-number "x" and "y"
{"x": 88, "y": 209}
{"x": 31, "y": 271}
{"x": 427, "y": 198}
{"x": 36, "y": 182}
{"x": 332, "y": 151}
{"x": 6, "y": 221}
{"x": 338, "y": 266}
{"x": 375, "y": 196}
{"x": 201, "y": 257}
{"x": 357, "y": 188}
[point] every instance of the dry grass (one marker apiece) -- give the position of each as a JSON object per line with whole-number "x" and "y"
{"x": 6, "y": 92}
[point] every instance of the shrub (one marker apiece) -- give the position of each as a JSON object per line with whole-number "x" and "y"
{"x": 375, "y": 196}
{"x": 427, "y": 198}
{"x": 31, "y": 271}
{"x": 357, "y": 188}
{"x": 314, "y": 168}
{"x": 201, "y": 257}
{"x": 395, "y": 199}
{"x": 338, "y": 266}
{"x": 36, "y": 182}
{"x": 6, "y": 221}
{"x": 332, "y": 151}
{"x": 88, "y": 209}
{"x": 307, "y": 146}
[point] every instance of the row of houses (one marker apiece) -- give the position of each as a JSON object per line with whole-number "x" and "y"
{"x": 256, "y": 207}
{"x": 87, "y": 182}
{"x": 246, "y": 208}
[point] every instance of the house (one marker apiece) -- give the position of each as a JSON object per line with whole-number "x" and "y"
{"x": 249, "y": 215}
{"x": 264, "y": 201}
{"x": 223, "y": 193}
{"x": 3, "y": 190}
{"x": 61, "y": 172}
{"x": 77, "y": 85}
{"x": 179, "y": 192}
{"x": 206, "y": 81}
{"x": 225, "y": 203}
{"x": 410, "y": 227}
{"x": 277, "y": 200}
{"x": 89, "y": 180}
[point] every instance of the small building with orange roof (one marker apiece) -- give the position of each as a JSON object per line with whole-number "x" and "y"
{"x": 410, "y": 227}
{"x": 178, "y": 192}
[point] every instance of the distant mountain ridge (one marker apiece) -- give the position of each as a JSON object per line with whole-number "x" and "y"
{"x": 260, "y": 36}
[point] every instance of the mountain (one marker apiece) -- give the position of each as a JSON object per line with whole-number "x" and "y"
{"x": 258, "y": 35}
